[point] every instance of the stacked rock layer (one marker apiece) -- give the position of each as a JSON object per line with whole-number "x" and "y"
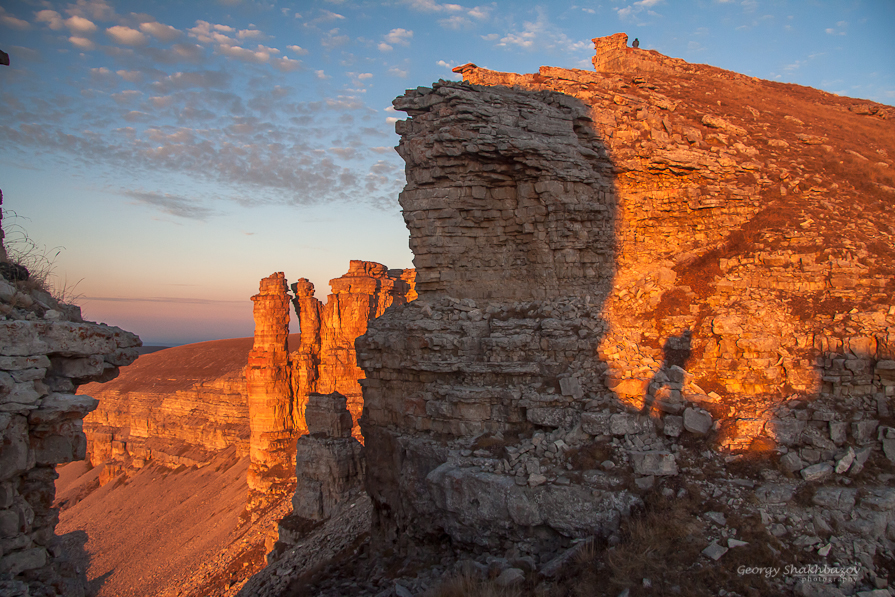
{"x": 46, "y": 352}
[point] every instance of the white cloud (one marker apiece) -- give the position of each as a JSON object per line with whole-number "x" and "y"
{"x": 261, "y": 54}
{"x": 397, "y": 72}
{"x": 286, "y": 64}
{"x": 447, "y": 65}
{"x": 7, "y": 20}
{"x": 126, "y": 36}
{"x": 80, "y": 26}
{"x": 321, "y": 75}
{"x": 126, "y": 96}
{"x": 202, "y": 79}
{"x": 161, "y": 32}
{"x": 398, "y": 37}
{"x": 132, "y": 76}
{"x": 839, "y": 30}
{"x": 334, "y": 40}
{"x": 346, "y": 153}
{"x": 542, "y": 34}
{"x": 636, "y": 8}
{"x": 161, "y": 101}
{"x": 249, "y": 34}
{"x": 297, "y": 50}
{"x": 98, "y": 10}
{"x": 326, "y": 16}
{"x": 207, "y": 33}
{"x": 480, "y": 12}
{"x": 82, "y": 43}
{"x": 384, "y": 47}
{"x": 460, "y": 16}
{"x": 52, "y": 18}
{"x": 392, "y": 120}
{"x": 433, "y": 6}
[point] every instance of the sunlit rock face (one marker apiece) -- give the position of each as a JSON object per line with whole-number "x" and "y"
{"x": 325, "y": 362}
{"x": 279, "y": 381}
{"x": 622, "y": 259}
{"x": 174, "y": 407}
{"x": 268, "y": 385}
{"x": 46, "y": 352}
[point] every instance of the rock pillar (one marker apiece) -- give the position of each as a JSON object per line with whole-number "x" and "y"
{"x": 272, "y": 443}
{"x": 306, "y": 360}
{"x": 329, "y": 462}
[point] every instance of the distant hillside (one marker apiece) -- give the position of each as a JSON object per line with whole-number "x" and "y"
{"x": 176, "y": 406}
{"x": 151, "y": 529}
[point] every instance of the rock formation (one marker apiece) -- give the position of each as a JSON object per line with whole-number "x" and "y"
{"x": 621, "y": 274}
{"x": 325, "y": 360}
{"x": 46, "y": 352}
{"x": 280, "y": 381}
{"x": 268, "y": 385}
{"x": 329, "y": 462}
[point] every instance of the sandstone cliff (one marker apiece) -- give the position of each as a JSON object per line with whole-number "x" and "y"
{"x": 623, "y": 274}
{"x": 46, "y": 352}
{"x": 178, "y": 406}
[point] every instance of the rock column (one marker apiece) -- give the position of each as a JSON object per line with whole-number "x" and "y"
{"x": 272, "y": 443}
{"x": 306, "y": 360}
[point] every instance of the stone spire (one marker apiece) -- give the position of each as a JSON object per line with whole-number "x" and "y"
{"x": 272, "y": 443}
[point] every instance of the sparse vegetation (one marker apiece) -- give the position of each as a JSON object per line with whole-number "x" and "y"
{"x": 466, "y": 585}
{"x": 38, "y": 261}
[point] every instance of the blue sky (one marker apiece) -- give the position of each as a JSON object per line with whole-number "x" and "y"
{"x": 178, "y": 152}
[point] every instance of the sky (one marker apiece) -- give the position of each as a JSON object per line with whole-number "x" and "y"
{"x": 165, "y": 156}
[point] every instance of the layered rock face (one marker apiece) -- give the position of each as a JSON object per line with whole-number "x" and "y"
{"x": 175, "y": 407}
{"x": 324, "y": 362}
{"x": 609, "y": 262}
{"x": 46, "y": 352}
{"x": 329, "y": 462}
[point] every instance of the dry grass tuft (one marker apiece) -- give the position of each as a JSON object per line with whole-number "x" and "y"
{"x": 466, "y": 585}
{"x": 38, "y": 260}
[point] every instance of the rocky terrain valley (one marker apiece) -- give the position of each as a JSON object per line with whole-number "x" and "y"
{"x": 648, "y": 348}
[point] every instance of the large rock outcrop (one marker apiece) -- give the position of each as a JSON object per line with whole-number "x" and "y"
{"x": 617, "y": 271}
{"x": 46, "y": 352}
